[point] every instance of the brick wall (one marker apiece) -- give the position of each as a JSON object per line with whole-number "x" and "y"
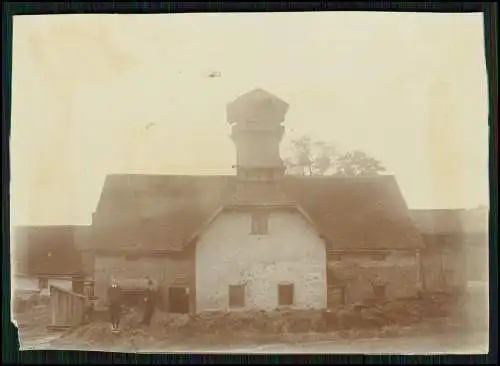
{"x": 291, "y": 252}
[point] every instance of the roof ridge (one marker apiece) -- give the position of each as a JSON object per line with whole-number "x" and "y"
{"x": 325, "y": 199}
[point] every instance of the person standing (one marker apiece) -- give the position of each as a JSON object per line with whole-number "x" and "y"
{"x": 379, "y": 287}
{"x": 114, "y": 298}
{"x": 149, "y": 302}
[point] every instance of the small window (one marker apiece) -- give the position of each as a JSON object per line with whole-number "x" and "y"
{"x": 236, "y": 296}
{"x": 285, "y": 294}
{"x": 43, "y": 283}
{"x": 259, "y": 225}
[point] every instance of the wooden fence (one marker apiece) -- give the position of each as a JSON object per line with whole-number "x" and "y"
{"x": 67, "y": 308}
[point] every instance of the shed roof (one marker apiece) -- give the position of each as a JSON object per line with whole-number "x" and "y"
{"x": 451, "y": 221}
{"x": 50, "y": 250}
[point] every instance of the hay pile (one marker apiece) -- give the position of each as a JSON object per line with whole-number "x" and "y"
{"x": 204, "y": 328}
{"x": 99, "y": 336}
{"x": 359, "y": 320}
{"x": 275, "y": 322}
{"x": 227, "y": 322}
{"x": 400, "y": 313}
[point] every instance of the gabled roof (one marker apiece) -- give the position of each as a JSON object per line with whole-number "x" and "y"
{"x": 162, "y": 212}
{"x": 49, "y": 250}
{"x": 451, "y": 221}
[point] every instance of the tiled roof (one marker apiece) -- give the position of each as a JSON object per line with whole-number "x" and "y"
{"x": 357, "y": 212}
{"x": 162, "y": 212}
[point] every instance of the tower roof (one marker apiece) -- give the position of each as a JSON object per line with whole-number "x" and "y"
{"x": 257, "y": 106}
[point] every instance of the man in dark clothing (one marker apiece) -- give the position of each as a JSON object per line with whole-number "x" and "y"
{"x": 114, "y": 298}
{"x": 149, "y": 303}
{"x": 379, "y": 287}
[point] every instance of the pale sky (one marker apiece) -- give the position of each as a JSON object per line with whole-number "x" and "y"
{"x": 408, "y": 89}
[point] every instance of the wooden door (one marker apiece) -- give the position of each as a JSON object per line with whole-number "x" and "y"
{"x": 178, "y": 299}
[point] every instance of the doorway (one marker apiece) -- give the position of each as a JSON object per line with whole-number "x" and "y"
{"x": 178, "y": 300}
{"x": 336, "y": 296}
{"x": 379, "y": 291}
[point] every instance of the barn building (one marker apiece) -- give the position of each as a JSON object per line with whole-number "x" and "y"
{"x": 50, "y": 255}
{"x": 456, "y": 247}
{"x": 257, "y": 239}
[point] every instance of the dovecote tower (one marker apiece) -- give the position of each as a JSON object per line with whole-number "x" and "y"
{"x": 256, "y": 120}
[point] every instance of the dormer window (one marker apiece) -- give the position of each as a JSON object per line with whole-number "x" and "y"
{"x": 259, "y": 223}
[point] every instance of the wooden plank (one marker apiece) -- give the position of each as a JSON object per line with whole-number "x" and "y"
{"x": 67, "y": 308}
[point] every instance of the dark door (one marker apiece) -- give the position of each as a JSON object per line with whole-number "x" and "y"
{"x": 336, "y": 296}
{"x": 379, "y": 291}
{"x": 178, "y": 300}
{"x": 77, "y": 286}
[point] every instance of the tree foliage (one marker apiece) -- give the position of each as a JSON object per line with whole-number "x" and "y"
{"x": 310, "y": 157}
{"x": 358, "y": 163}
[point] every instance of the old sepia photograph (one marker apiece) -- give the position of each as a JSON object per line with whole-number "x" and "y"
{"x": 309, "y": 182}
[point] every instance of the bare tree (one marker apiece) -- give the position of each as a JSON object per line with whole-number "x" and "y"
{"x": 309, "y": 157}
{"x": 325, "y": 157}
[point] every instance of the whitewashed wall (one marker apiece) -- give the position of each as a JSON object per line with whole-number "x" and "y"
{"x": 226, "y": 254}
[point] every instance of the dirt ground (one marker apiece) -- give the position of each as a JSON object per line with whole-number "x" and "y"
{"x": 32, "y": 326}
{"x": 375, "y": 325}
